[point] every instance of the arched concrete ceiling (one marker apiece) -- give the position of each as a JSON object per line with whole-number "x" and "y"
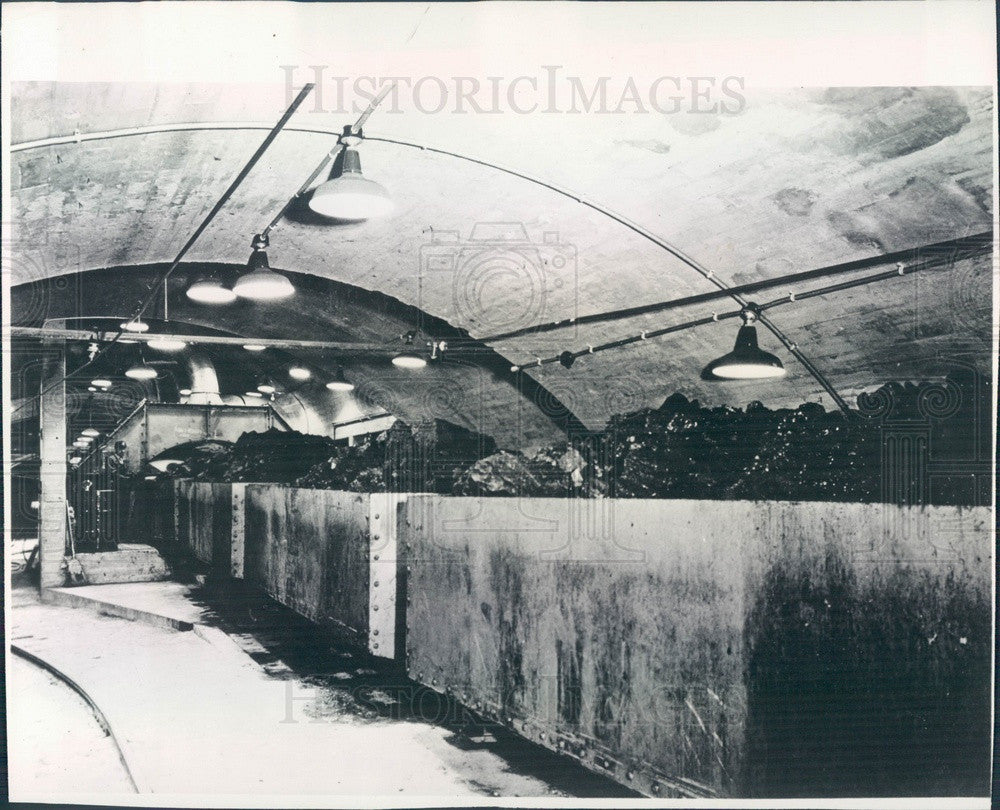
{"x": 474, "y": 391}
{"x": 796, "y": 180}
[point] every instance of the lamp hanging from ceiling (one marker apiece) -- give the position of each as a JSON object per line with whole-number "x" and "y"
{"x": 260, "y": 282}
{"x": 348, "y": 195}
{"x": 166, "y": 343}
{"x": 747, "y": 361}
{"x": 210, "y": 290}
{"x": 409, "y": 358}
{"x": 91, "y": 432}
{"x": 299, "y": 373}
{"x": 340, "y": 382}
{"x": 254, "y": 347}
{"x": 141, "y": 370}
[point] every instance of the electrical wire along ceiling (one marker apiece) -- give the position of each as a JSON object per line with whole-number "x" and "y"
{"x": 849, "y": 230}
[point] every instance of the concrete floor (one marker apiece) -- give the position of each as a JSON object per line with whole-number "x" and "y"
{"x": 56, "y": 745}
{"x": 227, "y": 715}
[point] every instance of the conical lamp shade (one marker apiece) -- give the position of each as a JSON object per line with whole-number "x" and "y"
{"x": 340, "y": 382}
{"x": 348, "y": 195}
{"x": 747, "y": 361}
{"x": 262, "y": 283}
{"x": 207, "y": 290}
{"x": 409, "y": 360}
{"x": 141, "y": 371}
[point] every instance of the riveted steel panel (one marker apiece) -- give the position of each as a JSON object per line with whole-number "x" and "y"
{"x": 309, "y": 549}
{"x": 638, "y": 651}
{"x": 383, "y": 561}
{"x": 236, "y": 536}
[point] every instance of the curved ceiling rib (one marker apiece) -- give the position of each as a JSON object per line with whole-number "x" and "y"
{"x": 620, "y": 218}
{"x": 647, "y": 234}
{"x": 795, "y": 181}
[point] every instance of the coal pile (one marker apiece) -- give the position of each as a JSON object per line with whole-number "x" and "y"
{"x": 357, "y": 469}
{"x": 809, "y": 454}
{"x": 429, "y": 457}
{"x": 682, "y": 450}
{"x": 555, "y": 471}
{"x": 404, "y": 458}
{"x": 205, "y": 459}
{"x": 679, "y": 450}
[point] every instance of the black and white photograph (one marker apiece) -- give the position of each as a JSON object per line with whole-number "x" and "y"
{"x": 501, "y": 404}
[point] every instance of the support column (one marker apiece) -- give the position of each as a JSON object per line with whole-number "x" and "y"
{"x": 52, "y": 466}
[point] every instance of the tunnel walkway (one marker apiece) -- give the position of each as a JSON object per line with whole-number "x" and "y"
{"x": 204, "y": 712}
{"x": 58, "y": 746}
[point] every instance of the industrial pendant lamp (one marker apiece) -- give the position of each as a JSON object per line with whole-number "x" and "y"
{"x": 89, "y": 433}
{"x": 348, "y": 195}
{"x": 409, "y": 358}
{"x": 340, "y": 382}
{"x": 166, "y": 343}
{"x": 299, "y": 373}
{"x": 141, "y": 370}
{"x": 210, "y": 290}
{"x": 747, "y": 361}
{"x": 261, "y": 283}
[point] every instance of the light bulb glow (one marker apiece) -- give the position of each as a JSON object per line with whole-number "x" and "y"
{"x": 100, "y": 382}
{"x": 166, "y": 343}
{"x": 75, "y": 459}
{"x": 142, "y": 372}
{"x": 80, "y": 443}
{"x": 353, "y": 203}
{"x": 207, "y": 291}
{"x": 409, "y": 360}
{"x": 254, "y": 347}
{"x": 747, "y": 371}
{"x": 255, "y": 394}
{"x": 92, "y": 432}
{"x": 340, "y": 385}
{"x": 134, "y": 326}
{"x": 185, "y": 392}
{"x": 263, "y": 285}
{"x": 299, "y": 373}
{"x": 266, "y": 388}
